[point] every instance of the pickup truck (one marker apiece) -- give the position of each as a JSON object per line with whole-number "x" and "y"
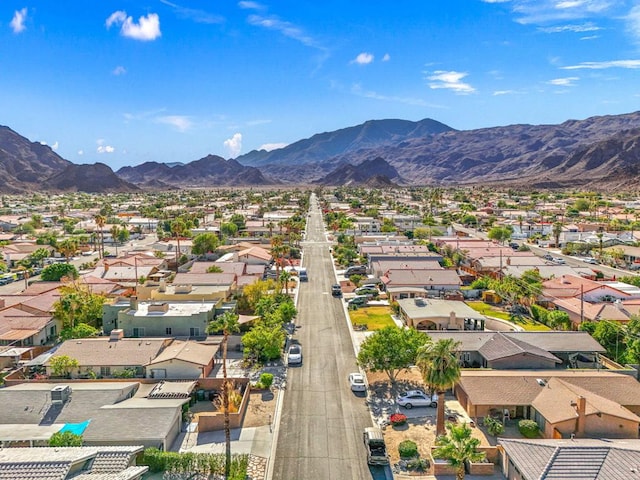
{"x": 376, "y": 449}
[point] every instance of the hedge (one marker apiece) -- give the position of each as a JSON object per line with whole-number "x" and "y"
{"x": 188, "y": 462}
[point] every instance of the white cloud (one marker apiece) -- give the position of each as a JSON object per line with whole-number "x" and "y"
{"x": 386, "y": 57}
{"x": 631, "y": 64}
{"x": 633, "y": 22}
{"x": 450, "y": 80}
{"x": 363, "y": 58}
{"x": 198, "y": 16}
{"x": 147, "y": 28}
{"x": 234, "y": 145}
{"x": 102, "y": 148}
{"x": 357, "y": 89}
{"x": 564, "y": 82}
{"x": 250, "y": 5}
{"x": 105, "y": 149}
{"x": 584, "y": 27}
{"x": 272, "y": 146}
{"x": 544, "y": 12}
{"x": 182, "y": 123}
{"x": 80, "y": 152}
{"x": 504, "y": 92}
{"x": 17, "y": 22}
{"x": 119, "y": 70}
{"x": 55, "y": 146}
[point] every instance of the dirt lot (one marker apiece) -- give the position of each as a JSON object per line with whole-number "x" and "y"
{"x": 261, "y": 408}
{"x": 421, "y": 430}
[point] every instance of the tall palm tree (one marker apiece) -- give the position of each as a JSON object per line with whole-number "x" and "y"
{"x": 458, "y": 447}
{"x": 178, "y": 228}
{"x": 114, "y": 230}
{"x": 101, "y": 220}
{"x": 557, "y": 230}
{"x": 438, "y": 364}
{"x": 284, "y": 278}
{"x": 227, "y": 323}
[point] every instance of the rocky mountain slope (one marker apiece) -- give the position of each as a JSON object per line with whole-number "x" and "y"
{"x": 96, "y": 178}
{"x": 376, "y": 171}
{"x": 24, "y": 165}
{"x": 208, "y": 171}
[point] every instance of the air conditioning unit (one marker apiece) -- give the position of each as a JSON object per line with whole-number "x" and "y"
{"x": 60, "y": 394}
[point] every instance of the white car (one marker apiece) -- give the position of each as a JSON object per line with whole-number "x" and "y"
{"x": 294, "y": 355}
{"x": 590, "y": 260}
{"x": 417, "y": 398}
{"x": 356, "y": 382}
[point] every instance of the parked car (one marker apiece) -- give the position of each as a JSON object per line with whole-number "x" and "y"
{"x": 355, "y": 270}
{"x": 336, "y": 290}
{"x": 302, "y": 274}
{"x": 359, "y": 300}
{"x": 590, "y": 260}
{"x": 376, "y": 448}
{"x": 548, "y": 256}
{"x": 294, "y": 356}
{"x": 417, "y": 398}
{"x": 558, "y": 260}
{"x": 366, "y": 291}
{"x": 357, "y": 383}
{"x": 514, "y": 245}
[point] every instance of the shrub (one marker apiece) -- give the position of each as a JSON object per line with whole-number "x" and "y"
{"x": 528, "y": 428}
{"x": 408, "y": 449}
{"x": 539, "y": 313}
{"x": 398, "y": 419}
{"x": 187, "y": 463}
{"x": 494, "y": 427}
{"x": 55, "y": 271}
{"x": 266, "y": 380}
{"x": 418, "y": 464}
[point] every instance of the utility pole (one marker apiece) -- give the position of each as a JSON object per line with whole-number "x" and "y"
{"x": 581, "y": 304}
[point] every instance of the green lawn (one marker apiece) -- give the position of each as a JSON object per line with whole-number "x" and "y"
{"x": 491, "y": 311}
{"x": 374, "y": 317}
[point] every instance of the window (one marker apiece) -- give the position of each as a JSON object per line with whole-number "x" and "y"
{"x": 194, "y": 331}
{"x": 138, "y": 332}
{"x": 167, "y": 330}
{"x": 105, "y": 371}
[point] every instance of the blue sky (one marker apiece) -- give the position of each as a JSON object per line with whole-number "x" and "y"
{"x": 173, "y": 80}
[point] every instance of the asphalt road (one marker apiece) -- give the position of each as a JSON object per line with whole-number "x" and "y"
{"x": 321, "y": 425}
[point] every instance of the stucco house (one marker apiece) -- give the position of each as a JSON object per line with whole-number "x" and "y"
{"x": 438, "y": 314}
{"x": 584, "y": 403}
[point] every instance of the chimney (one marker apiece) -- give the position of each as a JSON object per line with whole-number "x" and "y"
{"x": 581, "y": 409}
{"x": 163, "y": 285}
{"x": 133, "y": 303}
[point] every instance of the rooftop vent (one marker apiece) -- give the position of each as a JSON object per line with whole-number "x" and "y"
{"x": 60, "y": 394}
{"x": 116, "y": 334}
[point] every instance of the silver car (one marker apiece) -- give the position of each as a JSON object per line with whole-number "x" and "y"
{"x": 356, "y": 382}
{"x": 294, "y": 356}
{"x": 417, "y": 398}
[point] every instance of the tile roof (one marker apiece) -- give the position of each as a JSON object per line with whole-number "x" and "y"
{"x": 501, "y": 346}
{"x": 577, "y": 459}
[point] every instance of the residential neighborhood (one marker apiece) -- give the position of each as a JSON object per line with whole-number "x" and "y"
{"x": 158, "y": 326}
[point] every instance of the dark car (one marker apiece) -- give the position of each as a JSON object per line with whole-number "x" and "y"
{"x": 336, "y": 290}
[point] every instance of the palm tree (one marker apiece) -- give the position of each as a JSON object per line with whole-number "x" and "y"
{"x": 557, "y": 230}
{"x": 458, "y": 447}
{"x": 100, "y": 222}
{"x": 284, "y": 278}
{"x": 114, "y": 230}
{"x": 178, "y": 228}
{"x": 227, "y": 323}
{"x": 438, "y": 364}
{"x": 68, "y": 247}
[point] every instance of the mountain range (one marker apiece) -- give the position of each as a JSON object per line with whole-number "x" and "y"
{"x": 596, "y": 153}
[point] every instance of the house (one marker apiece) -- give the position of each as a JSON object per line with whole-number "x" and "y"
{"x": 584, "y": 458}
{"x": 525, "y": 350}
{"x": 104, "y": 413}
{"x": 161, "y": 319}
{"x": 402, "y": 283}
{"x": 438, "y": 314}
{"x": 379, "y": 264}
{"x": 184, "y": 359}
{"x": 22, "y": 329}
{"x": 81, "y": 463}
{"x": 562, "y": 402}
{"x": 112, "y": 356}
